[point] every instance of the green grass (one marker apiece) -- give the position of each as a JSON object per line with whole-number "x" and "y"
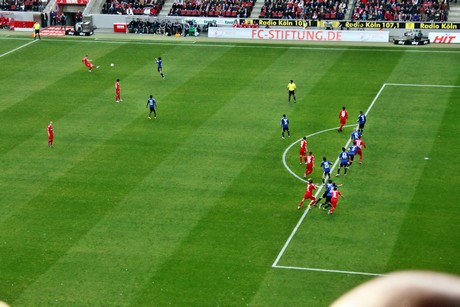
{"x": 192, "y": 209}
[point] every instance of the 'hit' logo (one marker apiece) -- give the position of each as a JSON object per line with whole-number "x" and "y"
{"x": 444, "y": 39}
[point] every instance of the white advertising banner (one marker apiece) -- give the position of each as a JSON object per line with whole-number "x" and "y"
{"x": 300, "y": 35}
{"x": 444, "y": 38}
{"x": 210, "y": 20}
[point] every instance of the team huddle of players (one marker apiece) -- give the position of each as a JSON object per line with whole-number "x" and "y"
{"x": 346, "y": 158}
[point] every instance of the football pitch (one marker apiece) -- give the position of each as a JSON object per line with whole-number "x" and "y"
{"x": 198, "y": 207}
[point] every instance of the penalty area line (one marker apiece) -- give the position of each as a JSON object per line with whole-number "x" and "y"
{"x": 318, "y": 191}
{"x": 327, "y": 271}
{"x": 294, "y": 231}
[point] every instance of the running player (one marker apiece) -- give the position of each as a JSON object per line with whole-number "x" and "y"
{"x": 344, "y": 160}
{"x": 159, "y": 62}
{"x": 303, "y": 150}
{"x": 309, "y": 164}
{"x": 326, "y": 165}
{"x": 309, "y": 193}
{"x": 343, "y": 116}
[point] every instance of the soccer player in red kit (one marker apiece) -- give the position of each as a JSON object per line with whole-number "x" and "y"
{"x": 343, "y": 116}
{"x": 334, "y": 199}
{"x": 303, "y": 150}
{"x": 309, "y": 193}
{"x": 310, "y": 163}
{"x": 88, "y": 64}
{"x": 50, "y": 134}
{"x": 360, "y": 143}
{"x": 117, "y": 91}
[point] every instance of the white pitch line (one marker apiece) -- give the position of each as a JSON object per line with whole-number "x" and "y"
{"x": 15, "y": 49}
{"x": 423, "y": 85}
{"x": 296, "y": 142}
{"x": 275, "y": 264}
{"x": 294, "y": 231}
{"x": 288, "y": 241}
{"x": 326, "y": 270}
{"x": 325, "y": 130}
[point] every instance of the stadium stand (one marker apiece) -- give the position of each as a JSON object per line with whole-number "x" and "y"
{"x": 166, "y": 27}
{"x": 23, "y": 5}
{"x": 133, "y": 7}
{"x": 304, "y": 9}
{"x": 363, "y": 10}
{"x": 212, "y": 8}
{"x": 404, "y": 10}
{"x": 454, "y": 11}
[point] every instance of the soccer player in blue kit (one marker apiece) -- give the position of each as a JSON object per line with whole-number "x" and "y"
{"x": 361, "y": 121}
{"x": 326, "y": 165}
{"x": 153, "y": 107}
{"x": 352, "y": 152}
{"x": 327, "y": 192}
{"x": 355, "y": 135}
{"x": 285, "y": 126}
{"x": 159, "y": 62}
{"x": 343, "y": 157}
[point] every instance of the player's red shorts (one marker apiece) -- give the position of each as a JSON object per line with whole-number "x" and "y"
{"x": 309, "y": 168}
{"x": 343, "y": 120}
{"x": 359, "y": 152}
{"x": 308, "y": 195}
{"x": 302, "y": 152}
{"x": 334, "y": 202}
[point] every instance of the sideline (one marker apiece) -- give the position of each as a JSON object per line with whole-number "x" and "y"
{"x": 15, "y": 49}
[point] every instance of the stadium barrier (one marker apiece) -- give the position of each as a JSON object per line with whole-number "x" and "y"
{"x": 300, "y": 35}
{"x": 441, "y": 32}
{"x": 21, "y": 25}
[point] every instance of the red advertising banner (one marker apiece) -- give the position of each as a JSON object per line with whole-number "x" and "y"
{"x": 74, "y": 2}
{"x": 120, "y": 27}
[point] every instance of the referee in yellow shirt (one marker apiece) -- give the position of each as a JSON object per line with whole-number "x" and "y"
{"x": 37, "y": 31}
{"x": 291, "y": 89}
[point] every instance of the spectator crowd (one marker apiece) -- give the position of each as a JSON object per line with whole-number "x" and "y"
{"x": 133, "y": 7}
{"x": 23, "y": 5}
{"x": 166, "y": 27}
{"x": 304, "y": 9}
{"x": 402, "y": 10}
{"x": 363, "y": 10}
{"x": 212, "y": 8}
